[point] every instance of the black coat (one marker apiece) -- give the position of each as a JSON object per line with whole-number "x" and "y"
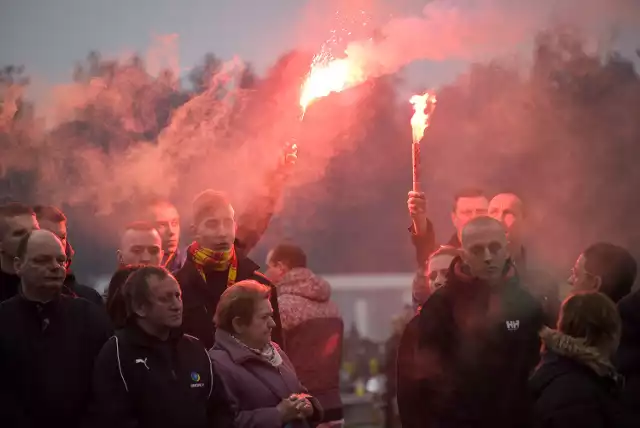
{"x": 143, "y": 382}
{"x": 74, "y": 288}
{"x": 476, "y": 349}
{"x": 47, "y": 353}
{"x": 9, "y": 285}
{"x": 628, "y": 357}
{"x": 200, "y": 299}
{"x": 570, "y": 393}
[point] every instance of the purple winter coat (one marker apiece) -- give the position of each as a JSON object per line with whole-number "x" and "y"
{"x": 255, "y": 387}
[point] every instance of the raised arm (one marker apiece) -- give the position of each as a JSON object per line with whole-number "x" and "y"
{"x": 253, "y": 222}
{"x": 423, "y": 236}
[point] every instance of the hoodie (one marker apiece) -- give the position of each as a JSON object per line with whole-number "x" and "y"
{"x": 474, "y": 348}
{"x": 313, "y": 333}
{"x": 575, "y": 385}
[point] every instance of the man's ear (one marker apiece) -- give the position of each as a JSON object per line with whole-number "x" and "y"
{"x": 193, "y": 230}
{"x": 119, "y": 256}
{"x": 17, "y": 265}
{"x": 597, "y": 282}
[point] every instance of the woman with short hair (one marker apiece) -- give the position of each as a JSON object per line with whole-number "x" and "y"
{"x": 259, "y": 377}
{"x": 576, "y": 383}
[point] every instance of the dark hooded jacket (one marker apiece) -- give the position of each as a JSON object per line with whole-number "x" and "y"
{"x": 47, "y": 352}
{"x": 539, "y": 283}
{"x": 628, "y": 357}
{"x": 141, "y": 381}
{"x": 200, "y": 299}
{"x": 575, "y": 386}
{"x": 313, "y": 333}
{"x": 477, "y": 346}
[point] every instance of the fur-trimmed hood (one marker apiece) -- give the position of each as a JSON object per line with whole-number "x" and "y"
{"x": 576, "y": 350}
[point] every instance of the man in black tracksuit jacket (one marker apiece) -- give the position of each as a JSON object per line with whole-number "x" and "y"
{"x": 151, "y": 375}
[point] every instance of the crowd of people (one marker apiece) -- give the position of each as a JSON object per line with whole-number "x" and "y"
{"x": 196, "y": 336}
{"x": 497, "y": 342}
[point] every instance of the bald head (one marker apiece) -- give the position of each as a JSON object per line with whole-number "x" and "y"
{"x": 41, "y": 261}
{"x": 484, "y": 244}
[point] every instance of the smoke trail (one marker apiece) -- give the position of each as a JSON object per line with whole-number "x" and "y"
{"x": 480, "y": 28}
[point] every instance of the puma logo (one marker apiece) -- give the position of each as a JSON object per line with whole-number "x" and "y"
{"x": 142, "y": 361}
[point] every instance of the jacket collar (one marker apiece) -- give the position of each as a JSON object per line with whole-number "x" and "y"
{"x": 141, "y": 338}
{"x": 238, "y": 353}
{"x": 459, "y": 273}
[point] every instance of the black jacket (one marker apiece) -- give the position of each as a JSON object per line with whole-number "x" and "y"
{"x": 9, "y": 285}
{"x": 72, "y": 287}
{"x": 476, "y": 349}
{"x": 200, "y": 299}
{"x": 47, "y": 353}
{"x": 143, "y": 382}
{"x": 574, "y": 388}
{"x": 628, "y": 357}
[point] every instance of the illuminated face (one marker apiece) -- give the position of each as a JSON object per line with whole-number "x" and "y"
{"x": 581, "y": 279}
{"x": 166, "y": 219}
{"x": 217, "y": 231}
{"x": 507, "y": 208}
{"x": 437, "y": 269}
{"x": 164, "y": 304}
{"x": 467, "y": 209}
{"x": 275, "y": 270}
{"x": 140, "y": 247}
{"x": 485, "y": 251}
{"x": 44, "y": 263}
{"x": 257, "y": 334}
{"x": 57, "y": 228}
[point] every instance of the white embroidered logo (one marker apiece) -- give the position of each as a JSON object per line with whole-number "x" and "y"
{"x": 513, "y": 325}
{"x": 142, "y": 361}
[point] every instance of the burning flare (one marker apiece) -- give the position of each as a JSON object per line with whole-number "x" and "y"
{"x": 423, "y": 105}
{"x": 329, "y": 75}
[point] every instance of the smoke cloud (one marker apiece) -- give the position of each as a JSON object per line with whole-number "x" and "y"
{"x": 481, "y": 29}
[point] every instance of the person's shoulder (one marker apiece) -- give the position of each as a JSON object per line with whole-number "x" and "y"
{"x": 192, "y": 343}
{"x": 261, "y": 278}
{"x": 87, "y": 293}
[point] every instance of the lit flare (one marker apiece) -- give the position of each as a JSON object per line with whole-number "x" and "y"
{"x": 423, "y": 105}
{"x": 329, "y": 75}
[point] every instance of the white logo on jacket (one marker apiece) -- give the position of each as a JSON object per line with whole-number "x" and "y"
{"x": 142, "y": 361}
{"x": 513, "y": 325}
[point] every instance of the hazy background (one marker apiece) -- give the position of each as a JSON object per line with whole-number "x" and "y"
{"x": 540, "y": 98}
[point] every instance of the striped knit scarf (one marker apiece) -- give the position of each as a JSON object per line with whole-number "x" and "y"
{"x": 218, "y": 260}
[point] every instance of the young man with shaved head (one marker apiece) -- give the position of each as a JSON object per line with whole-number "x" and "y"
{"x": 251, "y": 224}
{"x": 477, "y": 340}
{"x": 48, "y": 340}
{"x": 213, "y": 263}
{"x": 140, "y": 244}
